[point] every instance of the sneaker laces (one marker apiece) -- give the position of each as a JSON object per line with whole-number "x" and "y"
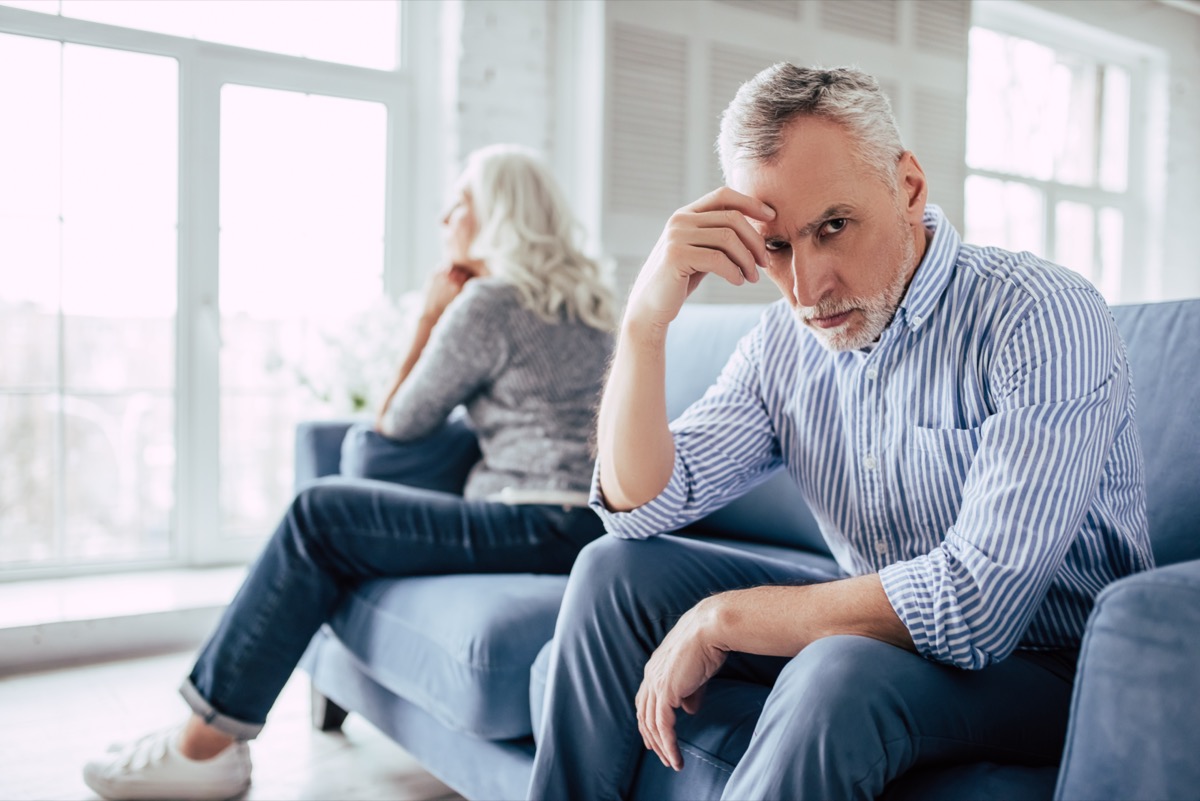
{"x": 148, "y": 750}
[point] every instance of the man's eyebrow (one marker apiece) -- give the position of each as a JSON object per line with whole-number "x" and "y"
{"x": 831, "y": 213}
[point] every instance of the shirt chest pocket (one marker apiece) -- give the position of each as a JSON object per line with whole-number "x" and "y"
{"x": 934, "y": 463}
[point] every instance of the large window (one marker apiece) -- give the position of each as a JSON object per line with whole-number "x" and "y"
{"x": 179, "y": 223}
{"x": 1057, "y": 139}
{"x": 301, "y": 249}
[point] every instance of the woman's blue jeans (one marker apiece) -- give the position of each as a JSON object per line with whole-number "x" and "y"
{"x": 340, "y": 532}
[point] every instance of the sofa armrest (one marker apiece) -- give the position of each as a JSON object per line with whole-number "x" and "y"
{"x": 1134, "y": 729}
{"x": 319, "y": 449}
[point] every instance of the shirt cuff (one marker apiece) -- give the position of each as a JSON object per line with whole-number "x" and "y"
{"x": 657, "y": 516}
{"x": 906, "y": 591}
{"x": 914, "y": 590}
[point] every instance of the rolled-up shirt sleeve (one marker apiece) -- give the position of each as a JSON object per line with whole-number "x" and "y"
{"x": 725, "y": 445}
{"x": 1062, "y": 391}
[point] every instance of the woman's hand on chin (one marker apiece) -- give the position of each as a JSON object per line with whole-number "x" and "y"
{"x": 446, "y": 283}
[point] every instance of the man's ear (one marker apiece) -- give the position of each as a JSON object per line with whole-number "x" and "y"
{"x": 910, "y": 180}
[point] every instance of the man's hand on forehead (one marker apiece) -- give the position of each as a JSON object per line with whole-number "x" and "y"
{"x": 714, "y": 234}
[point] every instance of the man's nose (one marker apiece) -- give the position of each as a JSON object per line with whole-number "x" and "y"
{"x": 812, "y": 279}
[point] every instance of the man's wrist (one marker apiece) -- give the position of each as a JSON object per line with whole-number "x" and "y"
{"x": 643, "y": 333}
{"x": 719, "y": 616}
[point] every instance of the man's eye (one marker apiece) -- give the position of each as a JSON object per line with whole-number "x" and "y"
{"x": 834, "y": 226}
{"x": 775, "y": 245}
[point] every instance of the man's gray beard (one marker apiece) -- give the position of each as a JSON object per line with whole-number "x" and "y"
{"x": 878, "y": 311}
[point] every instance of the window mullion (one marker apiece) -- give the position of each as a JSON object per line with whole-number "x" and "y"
{"x": 198, "y": 323}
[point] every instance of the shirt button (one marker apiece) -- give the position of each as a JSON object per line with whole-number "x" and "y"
{"x": 881, "y": 547}
{"x": 872, "y": 373}
{"x": 917, "y": 319}
{"x": 870, "y": 462}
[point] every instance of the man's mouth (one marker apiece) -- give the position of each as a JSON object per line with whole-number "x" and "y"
{"x": 832, "y": 321}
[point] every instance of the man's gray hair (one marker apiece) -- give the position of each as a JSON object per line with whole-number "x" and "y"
{"x": 753, "y": 124}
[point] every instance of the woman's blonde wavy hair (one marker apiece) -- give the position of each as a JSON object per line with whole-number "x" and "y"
{"x": 527, "y": 236}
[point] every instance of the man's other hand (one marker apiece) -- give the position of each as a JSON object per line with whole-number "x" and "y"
{"x": 675, "y": 677}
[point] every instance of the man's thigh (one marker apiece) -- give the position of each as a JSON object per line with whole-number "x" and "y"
{"x": 851, "y": 713}
{"x": 667, "y": 574}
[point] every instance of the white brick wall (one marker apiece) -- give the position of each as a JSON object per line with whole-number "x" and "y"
{"x": 499, "y": 76}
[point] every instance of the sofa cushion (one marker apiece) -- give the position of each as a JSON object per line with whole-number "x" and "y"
{"x": 1160, "y": 340}
{"x": 699, "y": 343}
{"x": 460, "y": 647}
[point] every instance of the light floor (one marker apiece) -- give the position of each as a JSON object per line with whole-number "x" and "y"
{"x": 54, "y": 721}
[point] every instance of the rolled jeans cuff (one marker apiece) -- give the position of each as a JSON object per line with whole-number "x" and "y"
{"x": 223, "y": 723}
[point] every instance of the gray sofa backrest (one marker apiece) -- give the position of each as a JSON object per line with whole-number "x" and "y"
{"x": 1163, "y": 341}
{"x": 699, "y": 343}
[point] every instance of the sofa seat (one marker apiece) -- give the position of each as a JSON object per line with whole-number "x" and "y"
{"x": 459, "y": 647}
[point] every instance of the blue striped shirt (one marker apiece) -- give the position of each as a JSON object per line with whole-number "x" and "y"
{"x": 982, "y": 457}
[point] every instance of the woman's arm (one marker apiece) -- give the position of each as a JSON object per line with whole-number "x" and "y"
{"x": 443, "y": 287}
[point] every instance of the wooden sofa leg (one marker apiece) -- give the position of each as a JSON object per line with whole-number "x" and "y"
{"x": 326, "y": 715}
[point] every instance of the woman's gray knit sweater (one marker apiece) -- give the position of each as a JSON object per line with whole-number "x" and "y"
{"x": 530, "y": 388}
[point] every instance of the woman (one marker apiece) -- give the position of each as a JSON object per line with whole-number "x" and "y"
{"x": 516, "y": 328}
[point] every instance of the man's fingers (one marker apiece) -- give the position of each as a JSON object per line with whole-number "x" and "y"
{"x": 645, "y": 713}
{"x": 664, "y": 722}
{"x": 736, "y": 222}
{"x": 741, "y": 245}
{"x": 724, "y": 198}
{"x": 640, "y": 704}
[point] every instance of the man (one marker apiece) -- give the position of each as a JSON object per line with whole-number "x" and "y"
{"x": 960, "y": 420}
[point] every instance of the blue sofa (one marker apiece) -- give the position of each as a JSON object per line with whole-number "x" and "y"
{"x": 453, "y": 667}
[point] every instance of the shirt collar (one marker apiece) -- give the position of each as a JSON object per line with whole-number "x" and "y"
{"x": 933, "y": 274}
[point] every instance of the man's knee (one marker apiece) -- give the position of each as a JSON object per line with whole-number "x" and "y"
{"x": 837, "y": 681}
{"x": 640, "y": 577}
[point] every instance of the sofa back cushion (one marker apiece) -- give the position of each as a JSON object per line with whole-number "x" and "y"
{"x": 1161, "y": 339}
{"x": 699, "y": 343}
{"x": 1163, "y": 342}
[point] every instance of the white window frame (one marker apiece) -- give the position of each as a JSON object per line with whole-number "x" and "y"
{"x": 409, "y": 94}
{"x": 1142, "y": 201}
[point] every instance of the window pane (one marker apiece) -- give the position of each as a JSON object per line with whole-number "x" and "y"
{"x": 1075, "y": 91}
{"x": 359, "y": 32}
{"x": 26, "y": 478}
{"x": 28, "y": 303}
{"x": 302, "y": 213}
{"x": 88, "y": 199}
{"x": 30, "y": 76}
{"x": 1075, "y": 238}
{"x": 1039, "y": 113}
{"x": 1006, "y": 214}
{"x": 257, "y": 449}
{"x": 120, "y": 188}
{"x": 1112, "y": 247}
{"x": 1010, "y": 121}
{"x": 120, "y": 476}
{"x": 1114, "y": 133}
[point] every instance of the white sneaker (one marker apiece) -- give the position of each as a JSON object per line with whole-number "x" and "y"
{"x": 153, "y": 768}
